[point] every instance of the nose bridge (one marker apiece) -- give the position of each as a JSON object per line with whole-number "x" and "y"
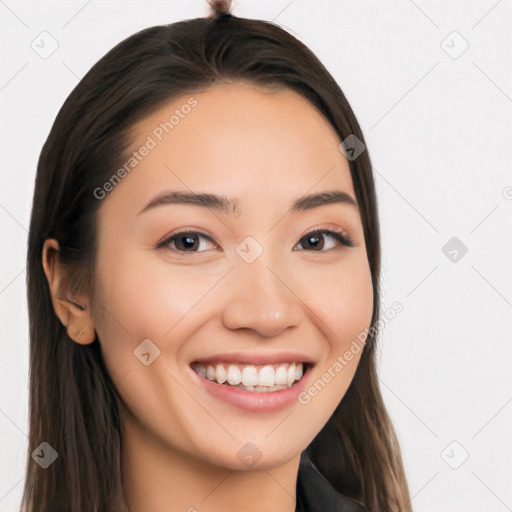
{"x": 260, "y": 297}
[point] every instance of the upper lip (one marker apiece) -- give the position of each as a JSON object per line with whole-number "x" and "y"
{"x": 255, "y": 358}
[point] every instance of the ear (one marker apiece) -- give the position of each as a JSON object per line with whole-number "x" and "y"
{"x": 74, "y": 312}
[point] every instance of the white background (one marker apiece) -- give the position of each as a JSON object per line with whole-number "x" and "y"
{"x": 439, "y": 132}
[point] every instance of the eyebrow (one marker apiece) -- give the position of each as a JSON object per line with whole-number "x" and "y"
{"x": 226, "y": 205}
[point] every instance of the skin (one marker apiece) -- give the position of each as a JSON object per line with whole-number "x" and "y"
{"x": 266, "y": 149}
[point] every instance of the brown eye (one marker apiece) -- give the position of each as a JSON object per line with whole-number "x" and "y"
{"x": 312, "y": 241}
{"x": 187, "y": 241}
{"x": 323, "y": 240}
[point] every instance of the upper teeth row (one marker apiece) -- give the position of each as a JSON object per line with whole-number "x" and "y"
{"x": 247, "y": 375}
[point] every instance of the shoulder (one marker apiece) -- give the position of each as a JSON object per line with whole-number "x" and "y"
{"x": 316, "y": 494}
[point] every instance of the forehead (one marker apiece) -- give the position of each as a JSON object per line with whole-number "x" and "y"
{"x": 236, "y": 138}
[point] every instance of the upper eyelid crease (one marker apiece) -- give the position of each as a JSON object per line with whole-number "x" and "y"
{"x": 232, "y": 206}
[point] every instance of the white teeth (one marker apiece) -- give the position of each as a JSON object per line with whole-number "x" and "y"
{"x": 234, "y": 375}
{"x": 221, "y": 374}
{"x": 298, "y": 371}
{"x": 249, "y": 376}
{"x": 291, "y": 374}
{"x": 281, "y": 376}
{"x": 266, "y": 376}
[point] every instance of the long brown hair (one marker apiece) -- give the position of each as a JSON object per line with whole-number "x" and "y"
{"x": 74, "y": 405}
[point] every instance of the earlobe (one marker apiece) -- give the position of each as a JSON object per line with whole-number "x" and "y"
{"x": 73, "y": 312}
{"x": 84, "y": 336}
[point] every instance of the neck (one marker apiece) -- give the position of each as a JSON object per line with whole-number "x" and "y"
{"x": 157, "y": 478}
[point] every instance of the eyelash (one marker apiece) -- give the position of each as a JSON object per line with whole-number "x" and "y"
{"x": 340, "y": 236}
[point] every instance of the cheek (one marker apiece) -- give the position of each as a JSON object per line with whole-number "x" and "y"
{"x": 344, "y": 310}
{"x": 343, "y": 304}
{"x": 343, "y": 301}
{"x": 142, "y": 299}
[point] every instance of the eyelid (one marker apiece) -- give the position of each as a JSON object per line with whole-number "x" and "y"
{"x": 167, "y": 238}
{"x": 326, "y": 227}
{"x": 336, "y": 229}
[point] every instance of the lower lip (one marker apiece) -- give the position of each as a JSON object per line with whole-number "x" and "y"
{"x": 254, "y": 401}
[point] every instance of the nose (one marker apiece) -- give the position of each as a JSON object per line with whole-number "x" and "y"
{"x": 261, "y": 299}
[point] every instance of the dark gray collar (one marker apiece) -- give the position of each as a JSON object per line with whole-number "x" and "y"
{"x": 316, "y": 494}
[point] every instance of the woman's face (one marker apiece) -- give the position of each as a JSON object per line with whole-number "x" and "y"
{"x": 250, "y": 291}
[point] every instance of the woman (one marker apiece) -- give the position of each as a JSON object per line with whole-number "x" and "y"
{"x": 203, "y": 277}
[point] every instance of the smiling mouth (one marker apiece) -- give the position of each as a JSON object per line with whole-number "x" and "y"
{"x": 253, "y": 377}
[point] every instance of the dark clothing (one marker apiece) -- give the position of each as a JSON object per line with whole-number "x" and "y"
{"x": 316, "y": 494}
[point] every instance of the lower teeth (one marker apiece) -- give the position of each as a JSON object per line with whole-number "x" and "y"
{"x": 259, "y": 388}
